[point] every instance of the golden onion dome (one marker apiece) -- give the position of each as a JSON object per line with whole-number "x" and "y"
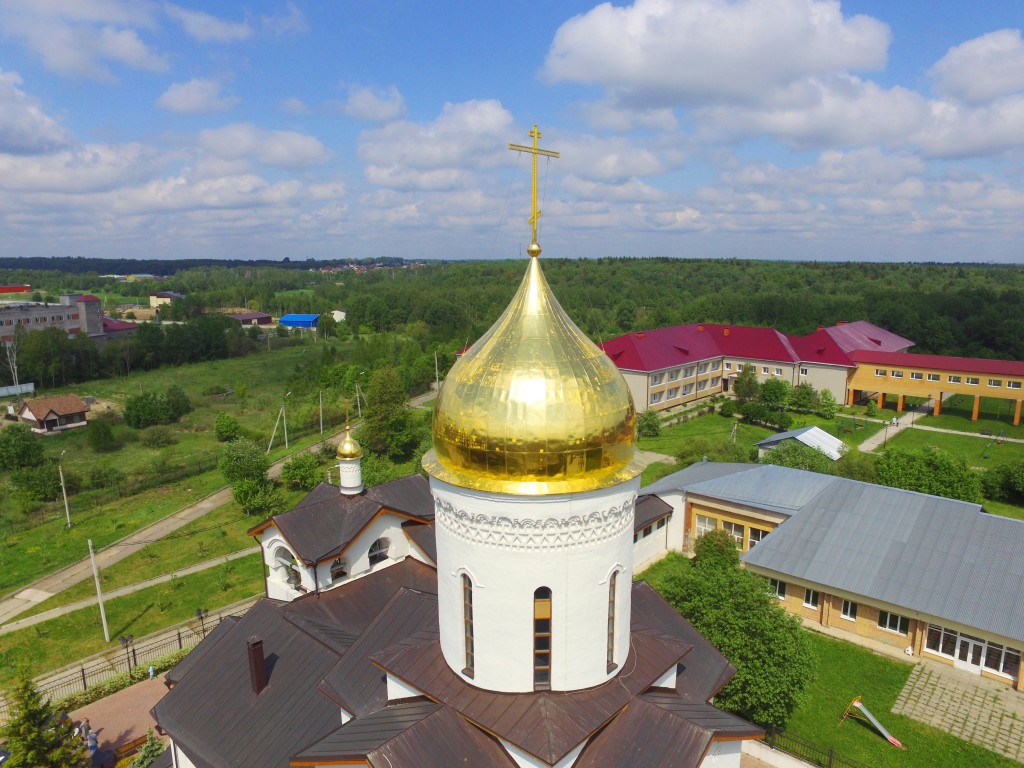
{"x": 533, "y": 407}
{"x": 348, "y": 448}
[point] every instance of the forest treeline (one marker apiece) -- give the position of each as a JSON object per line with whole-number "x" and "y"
{"x": 961, "y": 309}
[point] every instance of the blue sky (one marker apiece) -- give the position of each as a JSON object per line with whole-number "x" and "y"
{"x": 775, "y": 129}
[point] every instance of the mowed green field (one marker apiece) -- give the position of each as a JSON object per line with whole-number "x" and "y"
{"x": 994, "y": 415}
{"x": 845, "y": 670}
{"x": 980, "y": 452}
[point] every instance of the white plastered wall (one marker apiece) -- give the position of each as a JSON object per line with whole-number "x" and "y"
{"x": 357, "y": 556}
{"x": 723, "y": 754}
{"x": 510, "y": 546}
{"x": 649, "y": 549}
{"x": 273, "y": 544}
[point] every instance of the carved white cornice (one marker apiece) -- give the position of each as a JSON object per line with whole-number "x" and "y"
{"x": 508, "y": 532}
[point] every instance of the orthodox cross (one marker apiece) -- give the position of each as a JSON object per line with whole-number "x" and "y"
{"x": 534, "y": 248}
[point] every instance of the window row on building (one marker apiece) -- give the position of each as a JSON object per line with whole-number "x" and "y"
{"x": 951, "y": 378}
{"x": 745, "y": 536}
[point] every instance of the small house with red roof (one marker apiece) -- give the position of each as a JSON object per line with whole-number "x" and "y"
{"x": 46, "y": 415}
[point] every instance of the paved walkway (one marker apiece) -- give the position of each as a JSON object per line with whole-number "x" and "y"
{"x": 122, "y": 716}
{"x": 65, "y": 609}
{"x": 970, "y": 707}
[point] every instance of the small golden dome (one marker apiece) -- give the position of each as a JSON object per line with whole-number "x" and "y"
{"x": 534, "y": 407}
{"x": 348, "y": 448}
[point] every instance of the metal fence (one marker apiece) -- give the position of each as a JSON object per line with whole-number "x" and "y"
{"x": 827, "y": 757}
{"x": 97, "y": 670}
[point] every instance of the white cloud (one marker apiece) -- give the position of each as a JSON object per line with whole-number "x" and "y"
{"x": 843, "y": 111}
{"x": 374, "y": 105}
{"x": 206, "y": 28}
{"x": 292, "y": 22}
{"x": 82, "y": 169}
{"x": 957, "y": 130}
{"x": 79, "y": 39}
{"x": 608, "y": 116}
{"x": 285, "y": 149}
{"x": 195, "y": 97}
{"x": 294, "y": 106}
{"x": 437, "y": 155}
{"x": 608, "y": 158}
{"x": 982, "y": 69}
{"x": 658, "y": 53}
{"x": 630, "y": 190}
{"x": 24, "y": 127}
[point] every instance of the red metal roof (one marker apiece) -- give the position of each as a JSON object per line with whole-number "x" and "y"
{"x": 941, "y": 362}
{"x": 861, "y": 334}
{"x": 820, "y": 347}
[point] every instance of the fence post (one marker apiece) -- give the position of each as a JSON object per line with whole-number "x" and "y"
{"x": 179, "y": 640}
{"x": 135, "y": 657}
{"x": 831, "y": 756}
{"x": 85, "y": 685}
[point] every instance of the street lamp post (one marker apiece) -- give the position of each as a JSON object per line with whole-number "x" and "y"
{"x": 63, "y": 488}
{"x": 126, "y": 640}
{"x": 201, "y": 614}
{"x": 284, "y": 414}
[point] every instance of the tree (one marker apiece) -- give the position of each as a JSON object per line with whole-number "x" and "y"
{"x": 716, "y": 549}
{"x": 226, "y": 428}
{"x": 929, "y": 470}
{"x": 243, "y": 460}
{"x": 872, "y": 409}
{"x": 775, "y": 394}
{"x": 746, "y": 387}
{"x": 733, "y": 609}
{"x": 388, "y": 427}
{"x": 148, "y": 752}
{"x": 794, "y": 454}
{"x": 36, "y": 735}
{"x": 827, "y": 405}
{"x": 303, "y": 472}
{"x": 19, "y": 447}
{"x": 648, "y": 424}
{"x": 804, "y": 398}
{"x": 177, "y": 402}
{"x": 256, "y": 497}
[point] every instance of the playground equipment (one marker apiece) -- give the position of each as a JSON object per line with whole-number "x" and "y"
{"x": 866, "y": 715}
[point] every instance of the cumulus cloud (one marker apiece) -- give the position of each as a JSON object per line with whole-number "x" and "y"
{"x": 982, "y": 69}
{"x": 195, "y": 97}
{"x": 24, "y": 127}
{"x": 609, "y": 116}
{"x": 843, "y": 110}
{"x": 608, "y": 158}
{"x": 82, "y": 169}
{"x": 958, "y": 130}
{"x": 374, "y": 105}
{"x": 440, "y": 154}
{"x": 206, "y": 28}
{"x": 285, "y": 149}
{"x": 80, "y": 39}
{"x": 657, "y": 53}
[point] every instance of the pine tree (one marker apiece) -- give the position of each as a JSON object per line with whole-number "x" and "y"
{"x": 35, "y": 735}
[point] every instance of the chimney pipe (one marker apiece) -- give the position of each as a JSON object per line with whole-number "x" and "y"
{"x": 257, "y": 664}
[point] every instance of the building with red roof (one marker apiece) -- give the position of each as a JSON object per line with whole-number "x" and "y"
{"x": 667, "y": 367}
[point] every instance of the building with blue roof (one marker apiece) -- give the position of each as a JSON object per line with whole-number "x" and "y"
{"x": 299, "y": 321}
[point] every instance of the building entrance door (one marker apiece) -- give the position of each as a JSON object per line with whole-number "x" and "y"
{"x": 969, "y": 653}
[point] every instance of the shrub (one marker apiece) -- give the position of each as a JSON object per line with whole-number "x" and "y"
{"x": 105, "y": 476}
{"x": 19, "y": 447}
{"x": 648, "y": 424}
{"x": 302, "y": 472}
{"x": 158, "y": 437}
{"x": 150, "y": 408}
{"x": 872, "y": 409}
{"x": 728, "y": 408}
{"x": 42, "y": 483}
{"x": 100, "y": 435}
{"x": 226, "y": 428}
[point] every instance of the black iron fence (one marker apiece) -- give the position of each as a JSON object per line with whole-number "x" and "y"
{"x": 827, "y": 757}
{"x": 96, "y": 671}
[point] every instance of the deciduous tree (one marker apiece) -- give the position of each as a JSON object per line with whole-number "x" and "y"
{"x": 746, "y": 387}
{"x": 929, "y": 470}
{"x": 243, "y": 460}
{"x": 794, "y": 454}
{"x": 827, "y": 405}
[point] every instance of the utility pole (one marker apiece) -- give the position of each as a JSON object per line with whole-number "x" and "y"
{"x": 99, "y": 592}
{"x": 284, "y": 414}
{"x": 63, "y": 489}
{"x": 321, "y": 411}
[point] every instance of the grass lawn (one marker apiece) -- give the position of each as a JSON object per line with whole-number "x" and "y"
{"x": 973, "y": 449}
{"x": 994, "y": 414}
{"x": 218, "y": 533}
{"x": 852, "y": 431}
{"x": 1005, "y": 509}
{"x": 28, "y": 554}
{"x": 54, "y": 643}
{"x": 712, "y": 427}
{"x": 845, "y": 670}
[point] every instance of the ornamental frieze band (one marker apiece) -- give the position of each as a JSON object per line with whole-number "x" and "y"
{"x": 524, "y": 533}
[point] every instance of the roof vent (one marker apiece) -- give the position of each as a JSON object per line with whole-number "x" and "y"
{"x": 725, "y": 331}
{"x": 639, "y": 334}
{"x": 700, "y": 328}
{"x": 257, "y": 664}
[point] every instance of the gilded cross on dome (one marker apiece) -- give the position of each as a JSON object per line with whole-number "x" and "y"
{"x": 534, "y": 248}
